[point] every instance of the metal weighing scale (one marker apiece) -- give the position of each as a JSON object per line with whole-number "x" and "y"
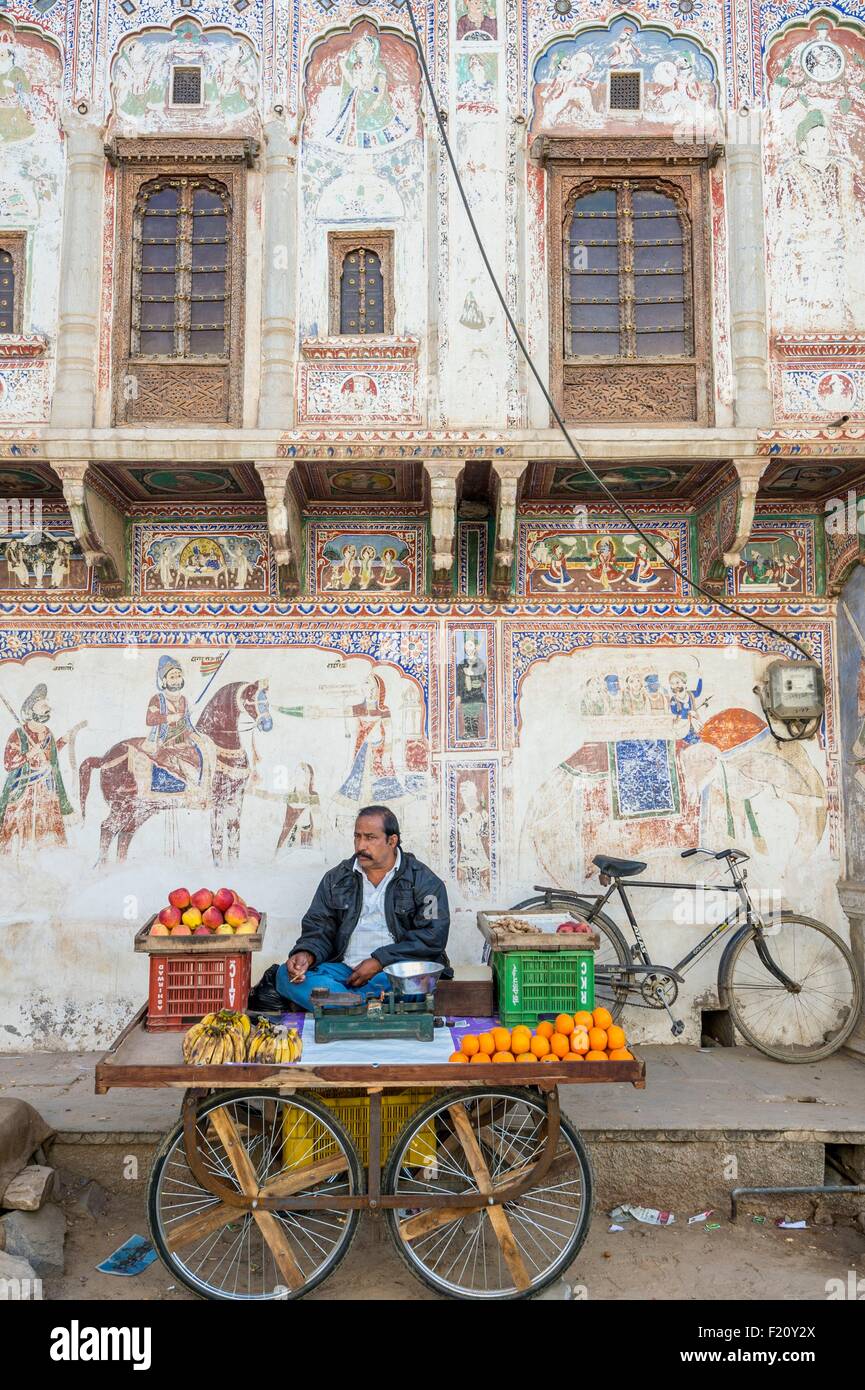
{"x": 340, "y": 1017}
{"x": 406, "y": 1010}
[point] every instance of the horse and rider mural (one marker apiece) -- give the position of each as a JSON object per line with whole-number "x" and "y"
{"x": 180, "y": 764}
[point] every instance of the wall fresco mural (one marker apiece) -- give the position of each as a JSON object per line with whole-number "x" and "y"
{"x": 366, "y": 558}
{"x": 814, "y": 147}
{"x": 678, "y": 80}
{"x": 31, "y": 200}
{"x": 240, "y": 746}
{"x": 141, "y": 81}
{"x": 362, "y": 162}
{"x": 606, "y": 559}
{"x": 190, "y": 556}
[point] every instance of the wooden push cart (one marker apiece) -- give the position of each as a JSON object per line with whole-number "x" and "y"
{"x": 257, "y": 1193}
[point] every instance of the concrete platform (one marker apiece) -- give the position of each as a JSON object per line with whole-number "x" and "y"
{"x": 710, "y": 1119}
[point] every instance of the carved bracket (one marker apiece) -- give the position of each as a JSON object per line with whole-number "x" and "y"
{"x": 509, "y": 475}
{"x": 96, "y": 556}
{"x": 443, "y": 477}
{"x": 750, "y": 472}
{"x": 283, "y": 521}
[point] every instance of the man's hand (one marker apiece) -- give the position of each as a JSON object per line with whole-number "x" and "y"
{"x": 297, "y": 966}
{"x": 364, "y": 972}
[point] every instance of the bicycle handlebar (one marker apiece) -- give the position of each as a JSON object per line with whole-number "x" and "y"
{"x": 736, "y": 854}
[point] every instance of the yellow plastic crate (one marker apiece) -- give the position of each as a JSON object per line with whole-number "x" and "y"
{"x": 305, "y": 1140}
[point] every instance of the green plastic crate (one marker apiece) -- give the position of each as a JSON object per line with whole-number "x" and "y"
{"x": 530, "y": 984}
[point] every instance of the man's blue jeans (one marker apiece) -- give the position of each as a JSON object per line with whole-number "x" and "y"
{"x": 332, "y": 975}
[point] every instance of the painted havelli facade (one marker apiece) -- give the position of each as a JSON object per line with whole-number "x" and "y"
{"x": 340, "y": 554}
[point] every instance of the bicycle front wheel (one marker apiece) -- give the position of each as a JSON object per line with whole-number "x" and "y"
{"x": 803, "y": 1020}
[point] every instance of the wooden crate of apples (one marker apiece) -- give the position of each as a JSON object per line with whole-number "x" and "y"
{"x": 203, "y": 920}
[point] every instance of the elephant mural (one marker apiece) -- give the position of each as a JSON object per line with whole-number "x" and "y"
{"x": 719, "y": 786}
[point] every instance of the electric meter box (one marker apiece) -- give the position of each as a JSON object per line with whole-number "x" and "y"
{"x": 795, "y": 690}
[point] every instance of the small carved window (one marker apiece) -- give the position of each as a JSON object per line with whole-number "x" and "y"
{"x": 624, "y": 91}
{"x": 361, "y": 293}
{"x": 186, "y": 86}
{"x": 361, "y": 283}
{"x": 180, "y": 289}
{"x": 628, "y": 290}
{"x": 12, "y": 246}
{"x": 7, "y": 292}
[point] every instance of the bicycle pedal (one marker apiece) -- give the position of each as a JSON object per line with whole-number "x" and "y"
{"x": 678, "y": 1028}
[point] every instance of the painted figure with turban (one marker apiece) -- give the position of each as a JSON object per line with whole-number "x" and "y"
{"x": 174, "y": 746}
{"x": 33, "y": 801}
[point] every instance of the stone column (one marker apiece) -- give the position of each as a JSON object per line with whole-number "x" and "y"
{"x": 852, "y": 895}
{"x": 509, "y": 474}
{"x": 80, "y": 274}
{"x": 443, "y": 477}
{"x": 748, "y": 322}
{"x": 278, "y": 310}
{"x": 283, "y": 521}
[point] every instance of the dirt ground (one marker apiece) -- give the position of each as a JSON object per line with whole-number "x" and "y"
{"x": 743, "y": 1262}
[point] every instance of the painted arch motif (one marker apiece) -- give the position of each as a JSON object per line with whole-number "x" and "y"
{"x": 676, "y": 77}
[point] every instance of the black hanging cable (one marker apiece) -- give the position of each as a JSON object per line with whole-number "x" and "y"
{"x": 578, "y": 455}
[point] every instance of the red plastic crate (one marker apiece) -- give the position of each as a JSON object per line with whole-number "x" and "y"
{"x": 185, "y": 987}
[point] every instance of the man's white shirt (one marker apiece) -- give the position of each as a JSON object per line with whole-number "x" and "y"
{"x": 371, "y": 930}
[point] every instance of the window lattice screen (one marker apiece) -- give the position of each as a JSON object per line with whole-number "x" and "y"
{"x": 186, "y": 87}
{"x": 624, "y": 91}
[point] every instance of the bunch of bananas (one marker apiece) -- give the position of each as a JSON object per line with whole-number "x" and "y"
{"x": 217, "y": 1038}
{"x": 274, "y": 1044}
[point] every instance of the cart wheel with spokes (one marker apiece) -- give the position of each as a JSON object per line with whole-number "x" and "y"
{"x": 255, "y": 1141}
{"x": 481, "y": 1141}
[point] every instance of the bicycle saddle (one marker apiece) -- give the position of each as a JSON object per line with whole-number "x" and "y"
{"x": 618, "y": 868}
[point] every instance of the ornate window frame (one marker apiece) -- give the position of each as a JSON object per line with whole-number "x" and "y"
{"x": 16, "y": 244}
{"x": 340, "y": 245}
{"x": 606, "y": 390}
{"x": 199, "y": 390}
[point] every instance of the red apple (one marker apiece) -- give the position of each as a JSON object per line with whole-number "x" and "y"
{"x": 223, "y": 898}
{"x": 181, "y": 930}
{"x": 169, "y": 916}
{"x": 179, "y": 897}
{"x": 566, "y": 928}
{"x": 202, "y": 899}
{"x": 235, "y": 915}
{"x": 159, "y": 929}
{"x": 191, "y": 917}
{"x": 202, "y": 931}
{"x": 212, "y": 917}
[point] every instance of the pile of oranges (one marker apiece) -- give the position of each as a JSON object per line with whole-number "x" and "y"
{"x": 581, "y": 1037}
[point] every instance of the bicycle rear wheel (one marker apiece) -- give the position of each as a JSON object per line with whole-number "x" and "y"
{"x": 800, "y": 1024}
{"x": 610, "y": 989}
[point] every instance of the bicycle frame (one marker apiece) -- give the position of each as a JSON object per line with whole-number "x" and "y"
{"x": 745, "y": 905}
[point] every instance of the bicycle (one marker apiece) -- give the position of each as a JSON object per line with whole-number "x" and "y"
{"x": 792, "y": 987}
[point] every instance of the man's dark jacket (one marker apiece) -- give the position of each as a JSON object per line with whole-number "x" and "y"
{"x": 415, "y": 907}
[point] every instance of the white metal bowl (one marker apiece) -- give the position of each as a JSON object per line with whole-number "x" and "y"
{"x": 413, "y": 976}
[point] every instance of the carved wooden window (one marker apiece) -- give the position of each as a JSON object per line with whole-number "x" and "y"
{"x": 181, "y": 268}
{"x": 179, "y": 323}
{"x": 12, "y": 268}
{"x": 628, "y": 294}
{"x": 629, "y": 237}
{"x": 361, "y": 282}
